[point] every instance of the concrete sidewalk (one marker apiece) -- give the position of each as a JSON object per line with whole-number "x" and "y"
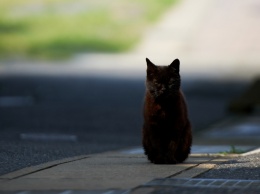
{"x": 102, "y": 171}
{"x": 117, "y": 170}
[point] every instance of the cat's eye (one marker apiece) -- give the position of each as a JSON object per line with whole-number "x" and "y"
{"x": 150, "y": 74}
{"x": 171, "y": 83}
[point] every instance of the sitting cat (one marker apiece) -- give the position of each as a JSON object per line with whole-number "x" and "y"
{"x": 167, "y": 135}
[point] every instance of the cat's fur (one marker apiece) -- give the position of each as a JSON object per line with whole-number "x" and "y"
{"x": 167, "y": 135}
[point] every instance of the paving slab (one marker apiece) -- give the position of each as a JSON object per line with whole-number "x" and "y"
{"x": 111, "y": 170}
{"x": 199, "y": 169}
{"x": 120, "y": 171}
{"x": 33, "y": 169}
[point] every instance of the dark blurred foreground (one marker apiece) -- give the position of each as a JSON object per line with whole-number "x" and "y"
{"x": 45, "y": 118}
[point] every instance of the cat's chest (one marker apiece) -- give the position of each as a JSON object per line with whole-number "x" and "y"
{"x": 160, "y": 112}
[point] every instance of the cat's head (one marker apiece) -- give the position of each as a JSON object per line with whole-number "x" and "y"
{"x": 163, "y": 81}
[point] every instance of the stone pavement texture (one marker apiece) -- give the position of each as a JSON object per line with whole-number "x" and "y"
{"x": 244, "y": 168}
{"x": 116, "y": 171}
{"x": 102, "y": 171}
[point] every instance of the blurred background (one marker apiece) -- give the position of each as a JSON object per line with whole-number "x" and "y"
{"x": 72, "y": 73}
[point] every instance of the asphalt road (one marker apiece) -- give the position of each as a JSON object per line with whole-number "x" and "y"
{"x": 45, "y": 118}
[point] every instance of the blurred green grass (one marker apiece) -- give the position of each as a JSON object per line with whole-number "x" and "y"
{"x": 60, "y": 28}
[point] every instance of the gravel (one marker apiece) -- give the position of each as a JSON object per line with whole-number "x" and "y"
{"x": 246, "y": 168}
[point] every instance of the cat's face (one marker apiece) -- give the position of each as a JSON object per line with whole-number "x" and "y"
{"x": 163, "y": 81}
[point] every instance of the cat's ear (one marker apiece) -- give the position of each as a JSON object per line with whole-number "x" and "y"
{"x": 175, "y": 65}
{"x": 150, "y": 65}
{"x": 151, "y": 68}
